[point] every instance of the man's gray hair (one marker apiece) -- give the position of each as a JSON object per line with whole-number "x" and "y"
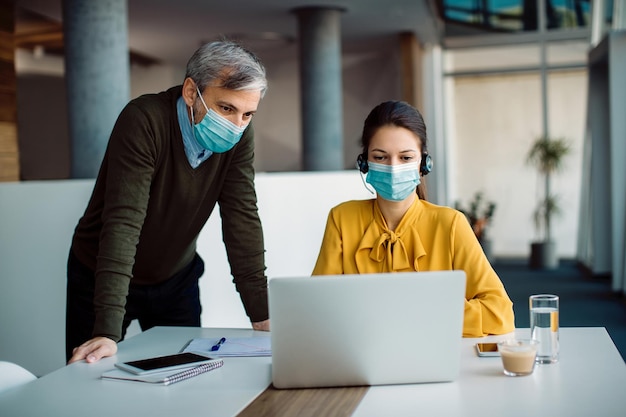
{"x": 228, "y": 65}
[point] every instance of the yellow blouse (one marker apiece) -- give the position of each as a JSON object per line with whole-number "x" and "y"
{"x": 428, "y": 238}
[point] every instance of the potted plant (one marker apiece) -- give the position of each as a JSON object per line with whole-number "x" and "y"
{"x": 479, "y": 215}
{"x": 546, "y": 155}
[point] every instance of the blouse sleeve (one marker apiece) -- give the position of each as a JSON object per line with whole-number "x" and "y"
{"x": 330, "y": 258}
{"x": 488, "y": 308}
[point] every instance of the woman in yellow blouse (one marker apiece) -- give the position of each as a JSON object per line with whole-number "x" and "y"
{"x": 399, "y": 231}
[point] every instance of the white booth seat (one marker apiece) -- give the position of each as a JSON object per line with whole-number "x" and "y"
{"x": 37, "y": 219}
{"x": 13, "y": 375}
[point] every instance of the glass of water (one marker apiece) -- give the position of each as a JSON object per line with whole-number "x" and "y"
{"x": 544, "y": 326}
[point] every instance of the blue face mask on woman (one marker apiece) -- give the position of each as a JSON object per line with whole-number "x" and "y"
{"x": 214, "y": 132}
{"x": 393, "y": 182}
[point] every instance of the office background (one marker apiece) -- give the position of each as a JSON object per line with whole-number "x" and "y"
{"x": 481, "y": 89}
{"x": 481, "y": 97}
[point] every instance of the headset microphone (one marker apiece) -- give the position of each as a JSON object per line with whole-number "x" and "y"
{"x": 361, "y": 164}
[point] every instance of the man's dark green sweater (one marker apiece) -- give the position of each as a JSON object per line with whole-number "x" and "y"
{"x": 149, "y": 205}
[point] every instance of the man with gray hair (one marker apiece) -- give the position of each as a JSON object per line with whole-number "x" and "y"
{"x": 171, "y": 157}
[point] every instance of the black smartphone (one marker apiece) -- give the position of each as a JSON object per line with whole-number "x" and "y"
{"x": 487, "y": 349}
{"x": 165, "y": 363}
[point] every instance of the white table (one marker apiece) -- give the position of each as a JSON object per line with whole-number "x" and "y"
{"x": 589, "y": 380}
{"x": 77, "y": 390}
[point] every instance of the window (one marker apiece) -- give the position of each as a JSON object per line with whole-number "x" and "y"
{"x": 478, "y": 17}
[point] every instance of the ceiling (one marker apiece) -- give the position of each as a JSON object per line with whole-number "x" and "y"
{"x": 170, "y": 31}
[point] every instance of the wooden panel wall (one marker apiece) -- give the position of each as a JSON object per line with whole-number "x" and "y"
{"x": 9, "y": 152}
{"x": 410, "y": 67}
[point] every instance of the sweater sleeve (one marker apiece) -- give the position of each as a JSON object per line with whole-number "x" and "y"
{"x": 242, "y": 230}
{"x": 488, "y": 309}
{"x": 128, "y": 169}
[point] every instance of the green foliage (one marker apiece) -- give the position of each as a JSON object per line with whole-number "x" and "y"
{"x": 546, "y": 208}
{"x": 478, "y": 214}
{"x": 547, "y": 155}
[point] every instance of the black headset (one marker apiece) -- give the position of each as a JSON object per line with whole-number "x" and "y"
{"x": 426, "y": 165}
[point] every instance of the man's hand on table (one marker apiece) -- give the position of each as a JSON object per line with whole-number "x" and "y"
{"x": 95, "y": 349}
{"x": 262, "y": 325}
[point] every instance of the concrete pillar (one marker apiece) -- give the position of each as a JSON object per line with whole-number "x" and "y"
{"x": 321, "y": 87}
{"x": 97, "y": 75}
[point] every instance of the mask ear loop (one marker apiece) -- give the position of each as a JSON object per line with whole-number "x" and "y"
{"x": 367, "y": 187}
{"x": 193, "y": 122}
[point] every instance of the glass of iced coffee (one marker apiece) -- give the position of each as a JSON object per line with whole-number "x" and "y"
{"x": 518, "y": 356}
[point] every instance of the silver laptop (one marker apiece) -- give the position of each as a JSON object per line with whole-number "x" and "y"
{"x": 374, "y": 329}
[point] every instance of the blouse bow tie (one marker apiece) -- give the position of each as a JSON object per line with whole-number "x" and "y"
{"x": 390, "y": 248}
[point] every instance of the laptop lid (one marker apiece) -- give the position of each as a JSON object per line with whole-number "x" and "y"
{"x": 374, "y": 329}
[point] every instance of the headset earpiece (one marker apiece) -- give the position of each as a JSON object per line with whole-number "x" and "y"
{"x": 361, "y": 163}
{"x": 426, "y": 165}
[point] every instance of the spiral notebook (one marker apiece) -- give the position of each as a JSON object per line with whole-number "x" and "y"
{"x": 372, "y": 329}
{"x": 164, "y": 378}
{"x": 232, "y": 346}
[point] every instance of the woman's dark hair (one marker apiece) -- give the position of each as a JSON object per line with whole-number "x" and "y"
{"x": 400, "y": 114}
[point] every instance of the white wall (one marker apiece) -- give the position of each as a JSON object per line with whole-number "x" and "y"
{"x": 37, "y": 219}
{"x": 493, "y": 114}
{"x": 497, "y": 118}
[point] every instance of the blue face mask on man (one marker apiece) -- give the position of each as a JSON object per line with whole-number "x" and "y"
{"x": 215, "y": 132}
{"x": 393, "y": 182}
